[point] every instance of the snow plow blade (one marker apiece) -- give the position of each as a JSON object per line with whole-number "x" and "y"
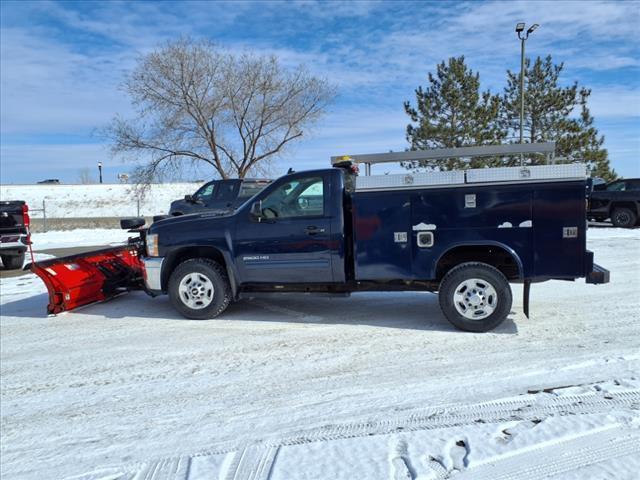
{"x": 90, "y": 277}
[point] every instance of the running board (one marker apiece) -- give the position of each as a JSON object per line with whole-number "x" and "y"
{"x": 79, "y": 280}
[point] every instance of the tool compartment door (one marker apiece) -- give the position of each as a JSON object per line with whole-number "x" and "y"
{"x": 382, "y": 236}
{"x": 559, "y": 218}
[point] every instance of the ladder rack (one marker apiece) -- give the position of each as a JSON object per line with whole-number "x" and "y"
{"x": 547, "y": 148}
{"x": 472, "y": 177}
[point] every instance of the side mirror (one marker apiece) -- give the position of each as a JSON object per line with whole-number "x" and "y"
{"x": 256, "y": 210}
{"x": 131, "y": 223}
{"x": 189, "y": 198}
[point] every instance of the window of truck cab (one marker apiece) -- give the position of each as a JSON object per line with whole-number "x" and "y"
{"x": 300, "y": 197}
{"x": 205, "y": 193}
{"x": 226, "y": 190}
{"x": 633, "y": 185}
{"x": 618, "y": 186}
{"x": 250, "y": 189}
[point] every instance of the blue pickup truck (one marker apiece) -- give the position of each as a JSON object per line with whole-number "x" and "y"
{"x": 222, "y": 196}
{"x": 464, "y": 234}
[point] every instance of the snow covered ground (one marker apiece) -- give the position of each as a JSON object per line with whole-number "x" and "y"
{"x": 94, "y": 201}
{"x": 78, "y": 238}
{"x": 376, "y": 386}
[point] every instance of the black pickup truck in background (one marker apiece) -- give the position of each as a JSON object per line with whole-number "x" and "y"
{"x": 618, "y": 200}
{"x": 14, "y": 225}
{"x": 223, "y": 196}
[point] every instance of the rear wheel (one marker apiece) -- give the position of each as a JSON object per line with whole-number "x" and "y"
{"x": 199, "y": 289}
{"x": 623, "y": 217}
{"x": 475, "y": 297}
{"x": 13, "y": 262}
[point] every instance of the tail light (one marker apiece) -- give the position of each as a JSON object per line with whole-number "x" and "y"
{"x": 25, "y": 216}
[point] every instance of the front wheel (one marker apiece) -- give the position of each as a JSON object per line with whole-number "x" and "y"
{"x": 475, "y": 297}
{"x": 199, "y": 289}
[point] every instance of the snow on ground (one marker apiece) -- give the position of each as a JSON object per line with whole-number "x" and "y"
{"x": 374, "y": 386}
{"x": 102, "y": 200}
{"x": 78, "y": 238}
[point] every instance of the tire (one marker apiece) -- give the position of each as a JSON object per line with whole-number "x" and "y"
{"x": 488, "y": 307}
{"x": 13, "y": 262}
{"x": 199, "y": 289}
{"x": 623, "y": 217}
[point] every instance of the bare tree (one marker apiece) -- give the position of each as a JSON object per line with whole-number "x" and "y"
{"x": 201, "y": 105}
{"x": 85, "y": 177}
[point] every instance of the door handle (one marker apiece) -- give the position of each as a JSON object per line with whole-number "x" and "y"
{"x": 313, "y": 230}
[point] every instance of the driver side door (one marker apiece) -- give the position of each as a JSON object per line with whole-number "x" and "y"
{"x": 291, "y": 242}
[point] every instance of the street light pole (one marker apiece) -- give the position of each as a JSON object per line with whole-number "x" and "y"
{"x": 523, "y": 38}
{"x": 100, "y": 170}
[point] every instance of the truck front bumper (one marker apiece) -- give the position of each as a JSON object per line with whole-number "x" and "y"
{"x": 13, "y": 243}
{"x": 152, "y": 273}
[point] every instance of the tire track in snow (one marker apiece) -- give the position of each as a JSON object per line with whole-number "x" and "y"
{"x": 175, "y": 468}
{"x": 254, "y": 461}
{"x": 558, "y": 457}
{"x": 525, "y": 408}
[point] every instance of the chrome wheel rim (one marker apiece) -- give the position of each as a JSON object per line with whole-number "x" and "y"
{"x": 475, "y": 299}
{"x": 196, "y": 291}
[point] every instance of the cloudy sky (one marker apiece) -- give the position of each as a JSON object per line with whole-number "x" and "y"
{"x": 62, "y": 64}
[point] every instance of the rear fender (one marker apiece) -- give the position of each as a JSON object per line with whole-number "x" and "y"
{"x": 488, "y": 244}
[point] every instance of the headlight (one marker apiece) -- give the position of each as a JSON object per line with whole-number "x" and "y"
{"x": 152, "y": 245}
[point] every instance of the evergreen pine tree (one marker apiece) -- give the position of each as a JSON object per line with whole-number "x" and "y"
{"x": 452, "y": 112}
{"x": 550, "y": 115}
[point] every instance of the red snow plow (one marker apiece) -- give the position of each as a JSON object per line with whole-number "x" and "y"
{"x": 91, "y": 277}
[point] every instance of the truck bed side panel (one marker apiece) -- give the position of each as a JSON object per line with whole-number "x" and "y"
{"x": 527, "y": 220}
{"x": 501, "y": 217}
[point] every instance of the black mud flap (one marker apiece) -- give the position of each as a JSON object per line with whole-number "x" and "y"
{"x": 598, "y": 275}
{"x": 526, "y": 291}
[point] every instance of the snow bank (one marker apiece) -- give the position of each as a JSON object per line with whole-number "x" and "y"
{"x": 78, "y": 238}
{"x": 90, "y": 201}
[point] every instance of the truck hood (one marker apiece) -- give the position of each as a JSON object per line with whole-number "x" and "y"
{"x": 180, "y": 204}
{"x": 194, "y": 222}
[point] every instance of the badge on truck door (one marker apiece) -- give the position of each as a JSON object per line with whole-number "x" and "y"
{"x": 400, "y": 237}
{"x": 570, "y": 232}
